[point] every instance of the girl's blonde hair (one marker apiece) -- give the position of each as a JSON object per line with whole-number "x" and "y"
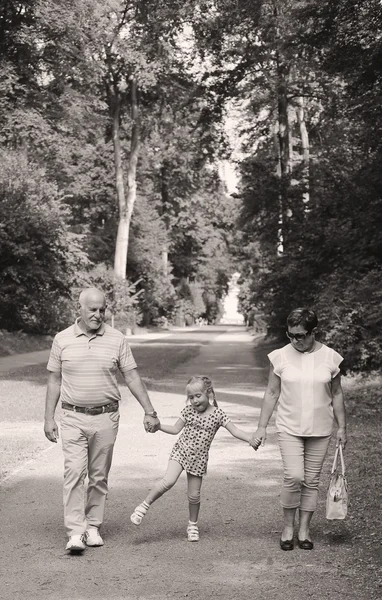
{"x": 205, "y": 384}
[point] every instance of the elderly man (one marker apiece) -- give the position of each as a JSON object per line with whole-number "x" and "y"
{"x": 82, "y": 366}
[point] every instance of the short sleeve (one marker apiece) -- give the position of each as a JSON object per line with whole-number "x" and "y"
{"x": 184, "y": 413}
{"x": 54, "y": 362}
{"x": 126, "y": 360}
{"x": 336, "y": 360}
{"x": 275, "y": 360}
{"x": 223, "y": 418}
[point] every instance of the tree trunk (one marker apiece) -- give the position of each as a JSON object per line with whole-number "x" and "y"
{"x": 165, "y": 261}
{"x": 300, "y": 112}
{"x": 282, "y": 147}
{"x": 164, "y": 176}
{"x": 127, "y": 199}
{"x": 277, "y": 152}
{"x": 282, "y": 131}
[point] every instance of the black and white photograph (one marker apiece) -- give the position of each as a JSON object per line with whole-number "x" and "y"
{"x": 190, "y": 299}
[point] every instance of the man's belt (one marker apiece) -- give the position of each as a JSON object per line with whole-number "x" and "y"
{"x": 92, "y": 410}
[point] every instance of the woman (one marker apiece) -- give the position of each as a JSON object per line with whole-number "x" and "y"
{"x": 305, "y": 380}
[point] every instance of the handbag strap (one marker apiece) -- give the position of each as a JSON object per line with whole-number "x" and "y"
{"x": 340, "y": 453}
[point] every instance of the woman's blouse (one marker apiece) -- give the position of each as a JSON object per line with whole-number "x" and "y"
{"x": 191, "y": 448}
{"x": 305, "y": 403}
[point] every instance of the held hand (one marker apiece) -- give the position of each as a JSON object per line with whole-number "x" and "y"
{"x": 259, "y": 437}
{"x": 341, "y": 437}
{"x": 51, "y": 430}
{"x": 151, "y": 424}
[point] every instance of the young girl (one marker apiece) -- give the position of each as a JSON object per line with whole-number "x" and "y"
{"x": 200, "y": 422}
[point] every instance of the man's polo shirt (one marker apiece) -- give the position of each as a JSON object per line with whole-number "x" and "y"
{"x": 89, "y": 365}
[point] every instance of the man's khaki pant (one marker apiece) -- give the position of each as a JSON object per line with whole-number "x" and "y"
{"x": 87, "y": 443}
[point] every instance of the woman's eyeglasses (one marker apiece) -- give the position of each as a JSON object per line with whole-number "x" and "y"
{"x": 299, "y": 337}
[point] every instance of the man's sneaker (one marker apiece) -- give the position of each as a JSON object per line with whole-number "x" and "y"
{"x": 92, "y": 537}
{"x": 76, "y": 544}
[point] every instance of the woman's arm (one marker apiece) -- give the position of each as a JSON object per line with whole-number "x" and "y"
{"x": 271, "y": 396}
{"x": 238, "y": 433}
{"x": 339, "y": 409}
{"x": 172, "y": 429}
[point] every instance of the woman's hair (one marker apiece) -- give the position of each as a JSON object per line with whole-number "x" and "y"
{"x": 303, "y": 316}
{"x": 205, "y": 384}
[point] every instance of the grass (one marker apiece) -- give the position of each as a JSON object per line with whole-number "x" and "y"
{"x": 364, "y": 475}
{"x": 18, "y": 342}
{"x": 20, "y": 444}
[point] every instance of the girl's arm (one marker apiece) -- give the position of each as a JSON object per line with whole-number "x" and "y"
{"x": 172, "y": 429}
{"x": 339, "y": 409}
{"x": 238, "y": 433}
{"x": 271, "y": 396}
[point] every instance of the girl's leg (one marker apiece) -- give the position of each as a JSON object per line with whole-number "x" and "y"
{"x": 292, "y": 454}
{"x": 194, "y": 485}
{"x": 315, "y": 452}
{"x": 171, "y": 476}
{"x": 174, "y": 469}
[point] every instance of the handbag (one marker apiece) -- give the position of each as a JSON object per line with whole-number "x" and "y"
{"x": 337, "y": 495}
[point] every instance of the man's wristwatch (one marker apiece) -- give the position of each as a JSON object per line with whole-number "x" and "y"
{"x": 153, "y": 414}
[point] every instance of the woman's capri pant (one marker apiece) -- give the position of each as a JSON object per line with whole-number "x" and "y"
{"x": 302, "y": 458}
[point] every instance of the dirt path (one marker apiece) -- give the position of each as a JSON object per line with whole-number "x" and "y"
{"x": 238, "y": 555}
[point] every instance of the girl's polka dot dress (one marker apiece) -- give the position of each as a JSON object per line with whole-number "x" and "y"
{"x": 191, "y": 448}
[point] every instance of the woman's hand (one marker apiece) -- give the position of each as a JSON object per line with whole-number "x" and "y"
{"x": 341, "y": 437}
{"x": 258, "y": 437}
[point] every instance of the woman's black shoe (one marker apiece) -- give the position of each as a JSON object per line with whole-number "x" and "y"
{"x": 305, "y": 544}
{"x": 286, "y": 544}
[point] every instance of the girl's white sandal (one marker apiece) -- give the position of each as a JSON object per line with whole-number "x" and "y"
{"x": 192, "y": 533}
{"x": 138, "y": 514}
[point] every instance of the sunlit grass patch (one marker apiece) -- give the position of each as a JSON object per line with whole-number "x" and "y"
{"x": 19, "y": 443}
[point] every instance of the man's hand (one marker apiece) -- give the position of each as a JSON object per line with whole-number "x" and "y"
{"x": 151, "y": 424}
{"x": 51, "y": 430}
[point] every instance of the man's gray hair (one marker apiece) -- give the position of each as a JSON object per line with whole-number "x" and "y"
{"x": 88, "y": 293}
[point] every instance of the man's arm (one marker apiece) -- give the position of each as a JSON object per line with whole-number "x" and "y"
{"x": 52, "y": 397}
{"x": 137, "y": 388}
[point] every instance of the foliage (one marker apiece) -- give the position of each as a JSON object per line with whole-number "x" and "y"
{"x": 324, "y": 57}
{"x": 39, "y": 255}
{"x": 190, "y": 304}
{"x": 121, "y": 294}
{"x": 255, "y": 74}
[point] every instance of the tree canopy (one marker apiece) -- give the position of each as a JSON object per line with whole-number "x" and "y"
{"x": 116, "y": 117}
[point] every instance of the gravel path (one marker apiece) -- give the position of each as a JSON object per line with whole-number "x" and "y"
{"x": 238, "y": 556}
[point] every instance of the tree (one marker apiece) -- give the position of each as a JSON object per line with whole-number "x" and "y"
{"x": 39, "y": 256}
